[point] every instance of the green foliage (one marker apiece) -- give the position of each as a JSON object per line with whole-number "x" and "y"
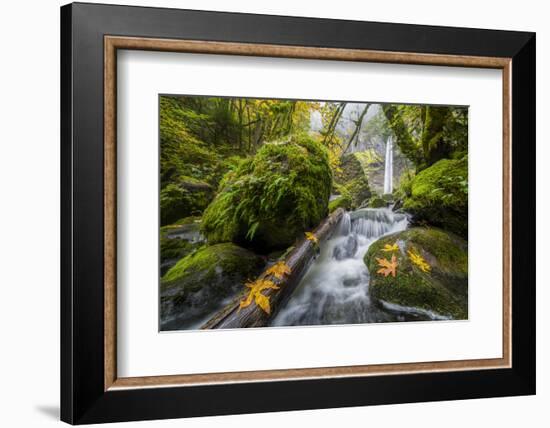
{"x": 359, "y": 190}
{"x": 377, "y": 201}
{"x": 439, "y": 196}
{"x": 352, "y": 181}
{"x": 426, "y": 134}
{"x": 187, "y": 197}
{"x": 404, "y": 189}
{"x": 377, "y": 127}
{"x": 271, "y": 198}
{"x": 182, "y": 154}
{"x": 203, "y": 138}
{"x": 342, "y": 201}
{"x": 442, "y": 290}
{"x": 230, "y": 258}
{"x": 368, "y": 158}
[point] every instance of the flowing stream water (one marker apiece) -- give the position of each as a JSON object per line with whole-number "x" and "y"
{"x": 335, "y": 288}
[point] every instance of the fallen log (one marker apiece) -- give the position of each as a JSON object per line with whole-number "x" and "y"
{"x": 298, "y": 260}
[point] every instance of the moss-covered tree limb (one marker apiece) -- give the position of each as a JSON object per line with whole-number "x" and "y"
{"x": 432, "y": 139}
{"x": 404, "y": 138}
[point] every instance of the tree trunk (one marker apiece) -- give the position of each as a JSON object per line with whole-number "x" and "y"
{"x": 358, "y": 124}
{"x": 432, "y": 134}
{"x": 331, "y": 129}
{"x": 298, "y": 261}
{"x": 404, "y": 139}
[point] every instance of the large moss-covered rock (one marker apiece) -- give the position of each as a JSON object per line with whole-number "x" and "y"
{"x": 442, "y": 290}
{"x": 439, "y": 196}
{"x": 201, "y": 283}
{"x": 352, "y": 180}
{"x": 269, "y": 200}
{"x": 186, "y": 198}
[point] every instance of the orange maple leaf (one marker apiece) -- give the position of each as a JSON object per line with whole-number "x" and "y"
{"x": 387, "y": 266}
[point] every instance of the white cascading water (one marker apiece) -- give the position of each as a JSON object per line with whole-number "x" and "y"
{"x": 388, "y": 167}
{"x": 335, "y": 287}
{"x": 334, "y": 290}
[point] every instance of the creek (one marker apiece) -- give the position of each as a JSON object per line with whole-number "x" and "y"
{"x": 335, "y": 288}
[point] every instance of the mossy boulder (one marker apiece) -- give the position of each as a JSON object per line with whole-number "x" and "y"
{"x": 439, "y": 196}
{"x": 352, "y": 180}
{"x": 350, "y": 168}
{"x": 341, "y": 201}
{"x": 270, "y": 199}
{"x": 442, "y": 290}
{"x": 377, "y": 201}
{"x": 203, "y": 281}
{"x": 185, "y": 198}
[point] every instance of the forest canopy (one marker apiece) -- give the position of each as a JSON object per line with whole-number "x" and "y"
{"x": 204, "y": 138}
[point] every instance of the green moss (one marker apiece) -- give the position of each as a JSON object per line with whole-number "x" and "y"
{"x": 217, "y": 267}
{"x": 450, "y": 252}
{"x": 272, "y": 198}
{"x": 359, "y": 190}
{"x": 404, "y": 189}
{"x": 377, "y": 202}
{"x": 342, "y": 201}
{"x": 171, "y": 249}
{"x": 190, "y": 169}
{"x": 201, "y": 283}
{"x": 186, "y": 198}
{"x": 181, "y": 222}
{"x": 368, "y": 158}
{"x": 439, "y": 196}
{"x": 182, "y": 153}
{"x": 443, "y": 290}
{"x": 174, "y": 248}
{"x": 352, "y": 180}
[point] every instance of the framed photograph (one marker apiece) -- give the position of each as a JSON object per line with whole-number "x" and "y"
{"x": 273, "y": 213}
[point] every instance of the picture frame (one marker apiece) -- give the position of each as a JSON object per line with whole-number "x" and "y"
{"x": 91, "y": 390}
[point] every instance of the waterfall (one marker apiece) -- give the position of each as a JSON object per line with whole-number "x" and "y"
{"x": 334, "y": 289}
{"x": 388, "y": 167}
{"x": 344, "y": 228}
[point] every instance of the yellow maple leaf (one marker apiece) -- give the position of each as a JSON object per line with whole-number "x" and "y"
{"x": 255, "y": 293}
{"x": 387, "y": 267}
{"x": 419, "y": 261}
{"x": 390, "y": 248}
{"x": 263, "y": 302}
{"x": 311, "y": 237}
{"x": 279, "y": 269}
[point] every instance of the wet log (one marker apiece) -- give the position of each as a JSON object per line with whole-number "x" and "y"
{"x": 298, "y": 260}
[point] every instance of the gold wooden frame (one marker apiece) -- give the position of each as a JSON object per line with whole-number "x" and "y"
{"x": 113, "y": 43}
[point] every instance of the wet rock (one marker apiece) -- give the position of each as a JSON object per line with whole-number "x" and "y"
{"x": 439, "y": 196}
{"x": 347, "y": 249}
{"x": 269, "y": 200}
{"x": 201, "y": 282}
{"x": 442, "y": 289}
